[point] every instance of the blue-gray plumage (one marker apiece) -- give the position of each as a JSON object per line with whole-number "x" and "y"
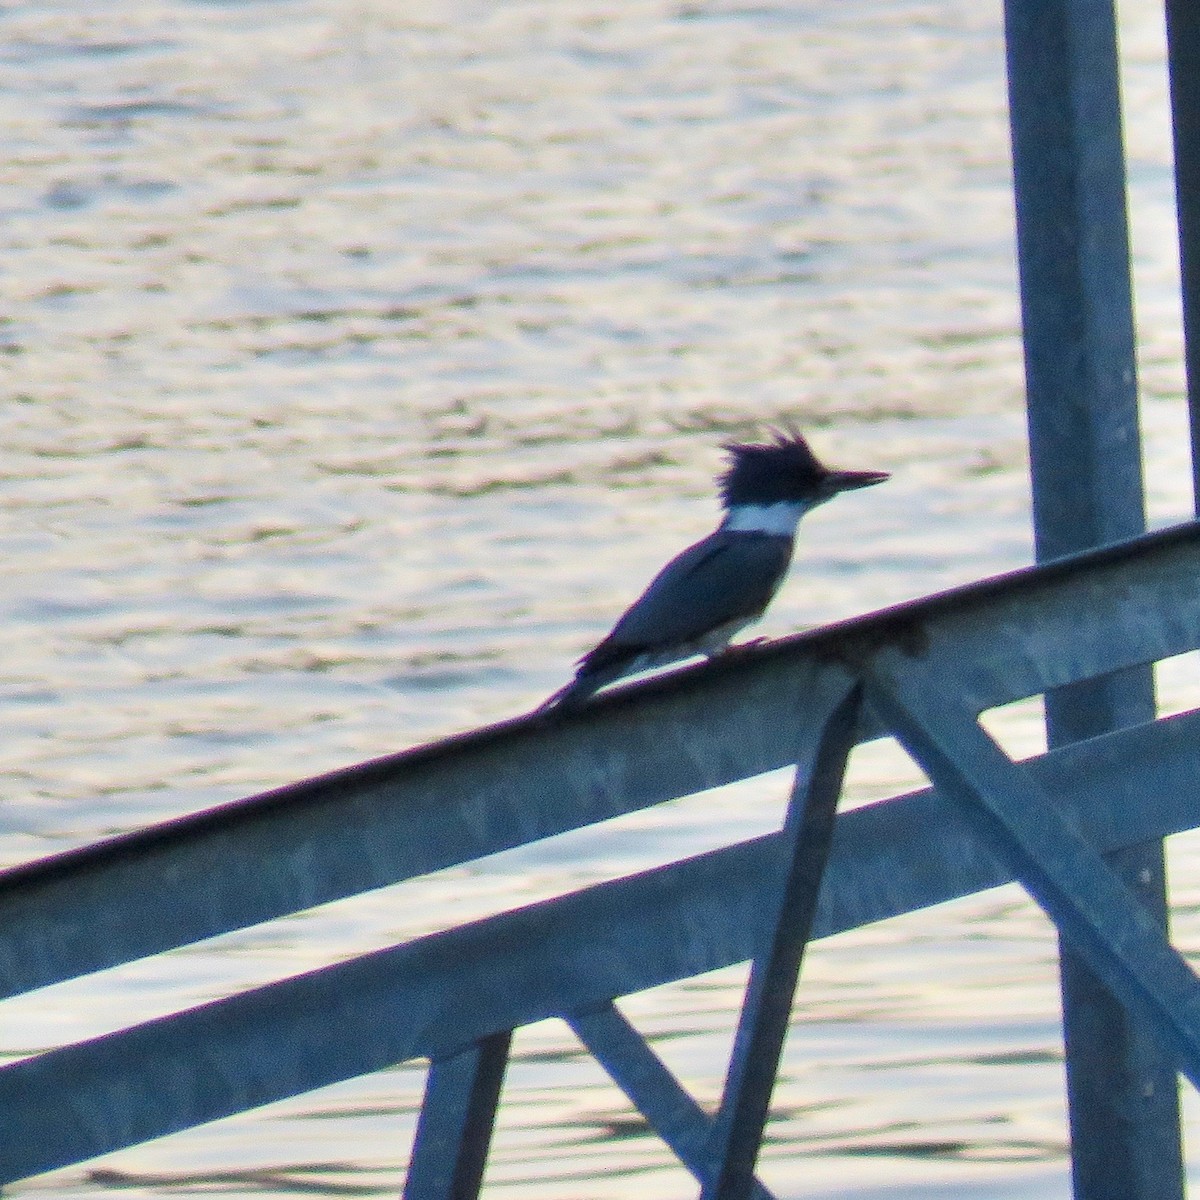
{"x": 705, "y": 595}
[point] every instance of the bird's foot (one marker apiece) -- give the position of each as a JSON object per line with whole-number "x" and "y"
{"x": 742, "y": 647}
{"x": 728, "y": 650}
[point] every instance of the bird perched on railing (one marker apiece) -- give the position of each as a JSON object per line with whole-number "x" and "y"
{"x": 705, "y": 595}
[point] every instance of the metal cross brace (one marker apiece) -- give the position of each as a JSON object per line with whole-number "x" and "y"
{"x": 655, "y": 1092}
{"x": 1093, "y": 910}
{"x": 767, "y": 1009}
{"x": 722, "y": 1152}
{"x": 457, "y": 1117}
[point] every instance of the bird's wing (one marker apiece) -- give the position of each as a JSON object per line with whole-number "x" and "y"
{"x": 720, "y": 579}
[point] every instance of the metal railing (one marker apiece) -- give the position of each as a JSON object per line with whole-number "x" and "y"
{"x": 922, "y": 672}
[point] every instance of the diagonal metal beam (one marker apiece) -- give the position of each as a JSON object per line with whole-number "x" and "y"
{"x": 458, "y": 1115}
{"x": 399, "y": 817}
{"x": 1120, "y": 941}
{"x": 428, "y": 997}
{"x": 655, "y": 1092}
{"x": 767, "y": 1009}
{"x": 391, "y": 819}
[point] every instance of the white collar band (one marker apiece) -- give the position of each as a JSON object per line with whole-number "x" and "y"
{"x": 780, "y": 518}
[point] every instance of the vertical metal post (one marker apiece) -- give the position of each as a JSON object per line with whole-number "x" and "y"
{"x": 767, "y": 1009}
{"x": 1183, "y": 61}
{"x": 454, "y": 1131}
{"x": 1077, "y": 314}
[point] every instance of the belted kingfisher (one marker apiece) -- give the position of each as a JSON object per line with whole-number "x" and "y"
{"x": 705, "y": 595}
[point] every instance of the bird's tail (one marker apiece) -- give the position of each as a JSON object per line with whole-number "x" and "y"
{"x": 596, "y": 670}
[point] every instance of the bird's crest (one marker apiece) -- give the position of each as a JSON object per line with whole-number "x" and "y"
{"x": 763, "y": 472}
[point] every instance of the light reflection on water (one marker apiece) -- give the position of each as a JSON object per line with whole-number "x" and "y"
{"x": 362, "y": 361}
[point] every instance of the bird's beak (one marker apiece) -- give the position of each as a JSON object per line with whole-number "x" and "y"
{"x": 849, "y": 481}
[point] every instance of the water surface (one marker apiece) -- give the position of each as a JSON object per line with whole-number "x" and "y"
{"x": 361, "y": 361}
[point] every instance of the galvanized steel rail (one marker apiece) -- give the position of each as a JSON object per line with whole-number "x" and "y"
{"x": 922, "y": 671}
